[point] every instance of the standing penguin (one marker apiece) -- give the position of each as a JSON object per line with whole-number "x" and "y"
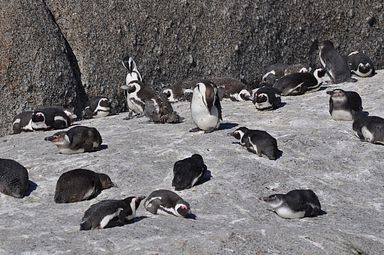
{"x": 267, "y": 98}
{"x": 80, "y": 184}
{"x": 336, "y": 66}
{"x": 295, "y": 204}
{"x": 342, "y": 104}
{"x": 258, "y": 142}
{"x": 360, "y": 64}
{"x": 99, "y": 215}
{"x": 50, "y": 118}
{"x": 78, "y": 139}
{"x": 13, "y": 178}
{"x": 166, "y": 202}
{"x": 187, "y": 172}
{"x": 369, "y": 129}
{"x": 205, "y": 107}
{"x": 22, "y": 122}
{"x": 98, "y": 107}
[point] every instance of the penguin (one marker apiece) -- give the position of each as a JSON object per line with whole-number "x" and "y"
{"x": 133, "y": 73}
{"x": 80, "y": 184}
{"x": 298, "y": 83}
{"x": 205, "y": 107}
{"x": 14, "y": 179}
{"x": 295, "y": 204}
{"x": 22, "y": 122}
{"x": 98, "y": 107}
{"x": 360, "y": 64}
{"x": 258, "y": 142}
{"x": 336, "y": 66}
{"x": 78, "y": 139}
{"x": 181, "y": 90}
{"x": 267, "y": 98}
{"x": 187, "y": 172}
{"x": 101, "y": 214}
{"x": 159, "y": 110}
{"x": 369, "y": 129}
{"x": 274, "y": 72}
{"x": 296, "y": 68}
{"x": 342, "y": 104}
{"x": 166, "y": 202}
{"x": 50, "y": 118}
{"x": 138, "y": 93}
{"x": 231, "y": 88}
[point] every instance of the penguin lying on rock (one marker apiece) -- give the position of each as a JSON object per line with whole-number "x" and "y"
{"x": 168, "y": 203}
{"x": 187, "y": 172}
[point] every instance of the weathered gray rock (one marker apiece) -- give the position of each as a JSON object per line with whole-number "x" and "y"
{"x": 173, "y": 40}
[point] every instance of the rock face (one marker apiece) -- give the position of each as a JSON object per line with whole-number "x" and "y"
{"x": 48, "y": 59}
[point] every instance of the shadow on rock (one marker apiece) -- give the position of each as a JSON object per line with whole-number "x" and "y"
{"x": 117, "y": 223}
{"x": 227, "y": 125}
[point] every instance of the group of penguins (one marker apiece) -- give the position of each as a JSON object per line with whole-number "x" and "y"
{"x": 204, "y": 96}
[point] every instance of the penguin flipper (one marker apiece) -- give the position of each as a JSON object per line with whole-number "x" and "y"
{"x": 154, "y": 206}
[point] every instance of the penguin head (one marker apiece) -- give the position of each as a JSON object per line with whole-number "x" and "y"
{"x": 239, "y": 133}
{"x": 364, "y": 68}
{"x": 59, "y": 139}
{"x": 326, "y": 44}
{"x": 169, "y": 94}
{"x": 183, "y": 208}
{"x": 38, "y": 117}
{"x": 245, "y": 95}
{"x": 319, "y": 74}
{"x": 134, "y": 202}
{"x": 337, "y": 95}
{"x": 261, "y": 98}
{"x": 106, "y": 182}
{"x": 275, "y": 200}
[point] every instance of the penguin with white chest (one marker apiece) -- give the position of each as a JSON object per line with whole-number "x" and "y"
{"x": 50, "y": 118}
{"x": 205, "y": 107}
{"x": 336, "y": 66}
{"x": 22, "y": 122}
{"x": 133, "y": 73}
{"x": 80, "y": 184}
{"x": 103, "y": 213}
{"x": 14, "y": 179}
{"x": 343, "y": 104}
{"x": 98, "y": 107}
{"x": 258, "y": 142}
{"x": 78, "y": 139}
{"x": 295, "y": 204}
{"x": 167, "y": 202}
{"x": 360, "y": 64}
{"x": 369, "y": 129}
{"x": 138, "y": 93}
{"x": 267, "y": 98}
{"x": 187, "y": 172}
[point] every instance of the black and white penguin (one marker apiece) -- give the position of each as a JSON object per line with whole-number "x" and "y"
{"x": 98, "y": 107}
{"x": 299, "y": 83}
{"x": 181, "y": 90}
{"x": 80, "y": 184}
{"x": 231, "y": 88}
{"x": 336, "y": 66}
{"x": 295, "y": 204}
{"x": 342, "y": 104}
{"x": 160, "y": 110}
{"x": 50, "y": 118}
{"x": 267, "y": 98}
{"x": 369, "y": 129}
{"x": 138, "y": 93}
{"x": 166, "y": 202}
{"x": 205, "y": 107}
{"x": 258, "y": 142}
{"x": 78, "y": 139}
{"x": 14, "y": 179}
{"x": 187, "y": 172}
{"x": 274, "y": 72}
{"x": 133, "y": 73}
{"x": 360, "y": 64}
{"x": 99, "y": 215}
{"x": 22, "y": 122}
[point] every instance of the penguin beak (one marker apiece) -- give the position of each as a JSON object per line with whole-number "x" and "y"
{"x": 49, "y": 138}
{"x": 114, "y": 185}
{"x": 230, "y": 134}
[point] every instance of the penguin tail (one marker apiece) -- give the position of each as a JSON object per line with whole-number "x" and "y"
{"x": 85, "y": 225}
{"x": 58, "y": 199}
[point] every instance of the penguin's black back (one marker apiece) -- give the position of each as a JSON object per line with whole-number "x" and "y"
{"x": 299, "y": 200}
{"x": 186, "y": 170}
{"x": 335, "y": 62}
{"x": 24, "y": 117}
{"x": 50, "y": 113}
{"x": 290, "y": 81}
{"x": 354, "y": 100}
{"x": 83, "y": 137}
{"x": 13, "y": 178}
{"x": 168, "y": 198}
{"x": 263, "y": 141}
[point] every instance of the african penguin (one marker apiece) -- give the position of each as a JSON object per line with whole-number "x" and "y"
{"x": 50, "y": 118}
{"x": 133, "y": 73}
{"x": 276, "y": 71}
{"x": 159, "y": 110}
{"x": 267, "y": 98}
{"x": 80, "y": 184}
{"x": 336, "y": 66}
{"x": 295, "y": 204}
{"x": 104, "y": 213}
{"x": 299, "y": 83}
{"x": 231, "y": 88}
{"x": 22, "y": 122}
{"x": 14, "y": 179}
{"x": 98, "y": 107}
{"x": 360, "y": 64}
{"x": 187, "y": 172}
{"x": 78, "y": 139}
{"x": 181, "y": 90}
{"x": 138, "y": 93}
{"x": 342, "y": 104}
{"x": 258, "y": 142}
{"x": 205, "y": 107}
{"x": 166, "y": 202}
{"x": 369, "y": 129}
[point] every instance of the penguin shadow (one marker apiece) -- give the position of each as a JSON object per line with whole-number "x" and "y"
{"x": 31, "y": 187}
{"x": 117, "y": 223}
{"x": 204, "y": 178}
{"x": 227, "y": 125}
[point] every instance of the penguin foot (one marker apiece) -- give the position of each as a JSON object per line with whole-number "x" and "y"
{"x": 193, "y": 130}
{"x": 209, "y": 130}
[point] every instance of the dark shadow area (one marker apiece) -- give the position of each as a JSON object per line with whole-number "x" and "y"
{"x": 116, "y": 223}
{"x": 227, "y": 125}
{"x": 204, "y": 178}
{"x": 31, "y": 187}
